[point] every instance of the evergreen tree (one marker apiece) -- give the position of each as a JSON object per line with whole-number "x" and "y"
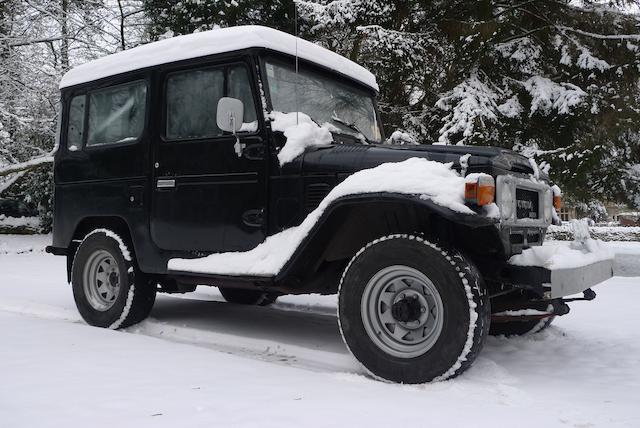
{"x": 552, "y": 80}
{"x": 171, "y": 17}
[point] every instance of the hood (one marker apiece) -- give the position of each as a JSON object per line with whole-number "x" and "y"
{"x": 349, "y": 158}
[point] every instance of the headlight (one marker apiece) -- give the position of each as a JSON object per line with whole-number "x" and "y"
{"x": 506, "y": 201}
{"x": 548, "y": 200}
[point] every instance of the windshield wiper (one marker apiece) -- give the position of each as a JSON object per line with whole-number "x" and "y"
{"x": 351, "y": 126}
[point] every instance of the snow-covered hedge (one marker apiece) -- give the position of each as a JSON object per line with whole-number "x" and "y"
{"x": 603, "y": 233}
{"x": 19, "y": 225}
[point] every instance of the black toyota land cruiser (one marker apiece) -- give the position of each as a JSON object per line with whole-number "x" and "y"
{"x": 169, "y": 152}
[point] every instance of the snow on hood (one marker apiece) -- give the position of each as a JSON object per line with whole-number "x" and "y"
{"x": 301, "y": 132}
{"x": 431, "y": 180}
{"x": 210, "y": 43}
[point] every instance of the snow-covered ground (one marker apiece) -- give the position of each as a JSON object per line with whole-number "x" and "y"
{"x": 201, "y": 362}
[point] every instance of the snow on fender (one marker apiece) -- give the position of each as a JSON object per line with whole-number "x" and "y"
{"x": 430, "y": 180}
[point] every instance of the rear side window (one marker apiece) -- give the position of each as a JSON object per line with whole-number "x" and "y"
{"x": 116, "y": 114}
{"x": 192, "y": 101}
{"x": 75, "y": 128}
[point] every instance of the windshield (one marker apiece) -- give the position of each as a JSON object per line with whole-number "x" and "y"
{"x": 323, "y": 98}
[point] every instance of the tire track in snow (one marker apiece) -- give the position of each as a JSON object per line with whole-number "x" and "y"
{"x": 197, "y": 329}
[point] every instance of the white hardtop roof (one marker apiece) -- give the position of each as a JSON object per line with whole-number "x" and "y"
{"x": 214, "y": 42}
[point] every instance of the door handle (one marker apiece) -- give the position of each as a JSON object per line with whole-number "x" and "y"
{"x": 166, "y": 183}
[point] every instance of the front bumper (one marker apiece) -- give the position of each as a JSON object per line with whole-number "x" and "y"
{"x": 557, "y": 283}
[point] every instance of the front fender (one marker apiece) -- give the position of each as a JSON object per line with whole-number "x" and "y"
{"x": 352, "y": 221}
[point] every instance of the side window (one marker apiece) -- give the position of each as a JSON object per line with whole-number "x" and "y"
{"x": 116, "y": 115}
{"x": 240, "y": 88}
{"x": 75, "y": 128}
{"x": 192, "y": 100}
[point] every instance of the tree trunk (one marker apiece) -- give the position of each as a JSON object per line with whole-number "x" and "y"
{"x": 122, "y": 41}
{"x": 64, "y": 30}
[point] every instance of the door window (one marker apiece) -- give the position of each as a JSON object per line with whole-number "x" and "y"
{"x": 192, "y": 101}
{"x": 75, "y": 128}
{"x": 116, "y": 115}
{"x": 240, "y": 88}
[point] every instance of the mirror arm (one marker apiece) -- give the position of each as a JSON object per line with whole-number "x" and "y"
{"x": 238, "y": 146}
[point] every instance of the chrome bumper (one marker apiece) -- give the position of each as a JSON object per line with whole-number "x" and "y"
{"x": 558, "y": 283}
{"x": 565, "y": 282}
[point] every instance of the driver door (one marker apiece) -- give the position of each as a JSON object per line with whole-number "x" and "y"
{"x": 206, "y": 196}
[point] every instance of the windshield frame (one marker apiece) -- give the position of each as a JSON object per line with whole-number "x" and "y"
{"x": 324, "y": 72}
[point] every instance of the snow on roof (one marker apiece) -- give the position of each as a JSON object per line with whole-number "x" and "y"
{"x": 214, "y": 42}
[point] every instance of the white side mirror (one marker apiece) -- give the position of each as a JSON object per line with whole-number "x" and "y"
{"x": 230, "y": 114}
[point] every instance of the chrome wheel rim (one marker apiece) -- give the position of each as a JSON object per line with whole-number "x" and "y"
{"x": 402, "y": 311}
{"x": 101, "y": 280}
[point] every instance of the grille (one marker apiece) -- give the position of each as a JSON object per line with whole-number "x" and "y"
{"x": 527, "y": 204}
{"x": 315, "y": 195}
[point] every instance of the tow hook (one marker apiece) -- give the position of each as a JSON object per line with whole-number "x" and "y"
{"x": 556, "y": 307}
{"x": 560, "y": 308}
{"x": 588, "y": 294}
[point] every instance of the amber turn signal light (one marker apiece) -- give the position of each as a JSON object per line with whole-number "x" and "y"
{"x": 557, "y": 202}
{"x": 480, "y": 190}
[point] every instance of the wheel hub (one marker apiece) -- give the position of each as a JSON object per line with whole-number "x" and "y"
{"x": 113, "y": 278}
{"x": 402, "y": 311}
{"x": 101, "y": 280}
{"x": 407, "y": 309}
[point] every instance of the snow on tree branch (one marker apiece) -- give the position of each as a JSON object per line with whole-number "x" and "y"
{"x": 26, "y": 166}
{"x": 600, "y": 36}
{"x": 469, "y": 104}
{"x": 332, "y": 13}
{"x": 548, "y": 95}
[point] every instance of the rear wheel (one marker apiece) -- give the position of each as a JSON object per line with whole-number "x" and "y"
{"x": 411, "y": 311}
{"x": 519, "y": 328}
{"x": 108, "y": 288}
{"x": 247, "y": 297}
{"x": 522, "y": 301}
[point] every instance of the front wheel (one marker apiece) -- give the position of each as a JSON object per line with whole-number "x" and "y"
{"x": 108, "y": 289}
{"x": 411, "y": 311}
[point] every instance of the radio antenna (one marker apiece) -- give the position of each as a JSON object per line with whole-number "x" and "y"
{"x": 295, "y": 86}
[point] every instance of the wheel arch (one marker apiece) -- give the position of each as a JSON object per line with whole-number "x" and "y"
{"x": 114, "y": 223}
{"x": 353, "y": 221}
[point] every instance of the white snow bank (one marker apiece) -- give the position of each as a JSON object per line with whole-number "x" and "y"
{"x": 20, "y": 244}
{"x": 298, "y": 359}
{"x": 574, "y": 255}
{"x": 431, "y": 180}
{"x": 210, "y": 43}
{"x": 15, "y": 222}
{"x": 301, "y": 132}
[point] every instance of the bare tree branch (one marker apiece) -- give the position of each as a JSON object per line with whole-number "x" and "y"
{"x": 28, "y": 165}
